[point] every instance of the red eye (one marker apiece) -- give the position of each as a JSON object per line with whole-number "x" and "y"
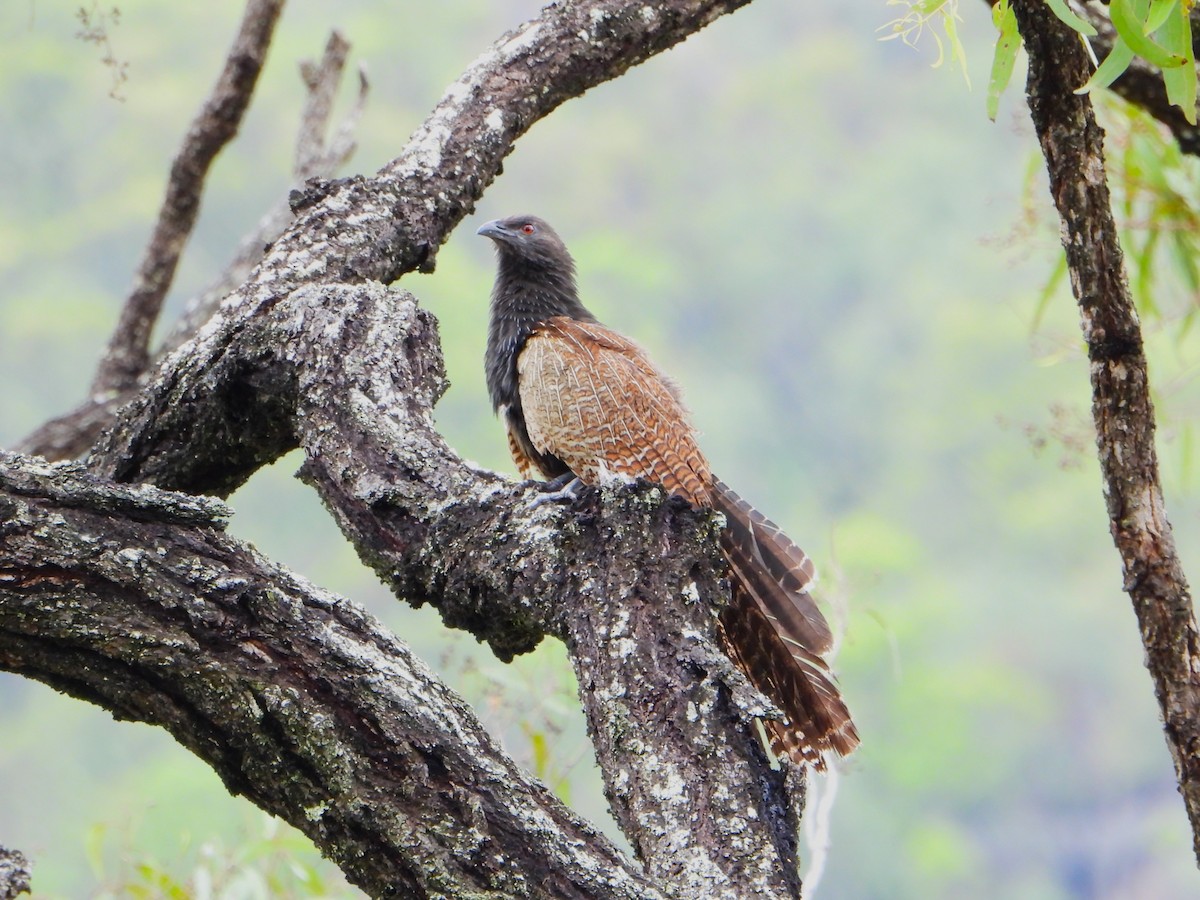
{"x": 527, "y": 229}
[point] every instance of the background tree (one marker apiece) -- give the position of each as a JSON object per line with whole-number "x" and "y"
{"x": 966, "y": 683}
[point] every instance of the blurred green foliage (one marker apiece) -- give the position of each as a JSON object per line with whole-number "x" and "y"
{"x": 842, "y": 262}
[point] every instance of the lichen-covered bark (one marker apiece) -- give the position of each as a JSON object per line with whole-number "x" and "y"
{"x": 1072, "y": 143}
{"x": 631, "y": 583}
{"x": 134, "y": 599}
{"x": 14, "y": 874}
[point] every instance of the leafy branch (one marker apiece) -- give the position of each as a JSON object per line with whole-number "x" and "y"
{"x": 1157, "y": 32}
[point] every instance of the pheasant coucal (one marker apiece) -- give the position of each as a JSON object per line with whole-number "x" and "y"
{"x": 580, "y": 400}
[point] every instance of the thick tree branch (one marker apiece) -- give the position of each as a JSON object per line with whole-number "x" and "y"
{"x": 630, "y": 583}
{"x": 1072, "y": 143}
{"x": 216, "y": 124}
{"x": 134, "y": 599}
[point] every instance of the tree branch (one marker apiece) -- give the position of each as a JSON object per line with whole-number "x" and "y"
{"x": 1141, "y": 84}
{"x": 1072, "y": 143}
{"x": 216, "y": 124}
{"x": 631, "y": 584}
{"x": 134, "y": 599}
{"x": 71, "y": 435}
{"x": 317, "y": 156}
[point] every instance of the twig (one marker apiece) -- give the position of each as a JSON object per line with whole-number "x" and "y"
{"x": 1072, "y": 143}
{"x": 71, "y": 435}
{"x": 127, "y": 354}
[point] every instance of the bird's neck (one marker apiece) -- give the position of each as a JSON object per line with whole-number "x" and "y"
{"x": 524, "y": 296}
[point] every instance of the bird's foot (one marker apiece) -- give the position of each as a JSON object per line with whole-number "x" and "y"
{"x": 564, "y": 487}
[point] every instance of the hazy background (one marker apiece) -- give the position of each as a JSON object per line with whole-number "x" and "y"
{"x": 825, "y": 241}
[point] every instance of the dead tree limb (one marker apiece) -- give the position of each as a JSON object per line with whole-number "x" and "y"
{"x": 217, "y": 123}
{"x": 71, "y": 435}
{"x": 1072, "y": 144}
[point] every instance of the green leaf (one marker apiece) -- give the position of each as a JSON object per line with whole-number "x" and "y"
{"x": 1129, "y": 18}
{"x": 957, "y": 53}
{"x": 1065, "y": 15}
{"x": 93, "y": 848}
{"x": 1110, "y": 68}
{"x": 928, "y": 7}
{"x": 1160, "y": 11}
{"x": 1008, "y": 42}
{"x": 1181, "y": 80}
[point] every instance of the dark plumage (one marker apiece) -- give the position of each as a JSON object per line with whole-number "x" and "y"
{"x": 535, "y": 281}
{"x": 579, "y": 399}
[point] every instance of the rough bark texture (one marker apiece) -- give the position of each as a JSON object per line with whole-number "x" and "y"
{"x": 134, "y": 599}
{"x": 14, "y": 874}
{"x": 1072, "y": 143}
{"x": 630, "y": 583}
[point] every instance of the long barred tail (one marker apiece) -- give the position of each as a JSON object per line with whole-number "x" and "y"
{"x": 775, "y": 632}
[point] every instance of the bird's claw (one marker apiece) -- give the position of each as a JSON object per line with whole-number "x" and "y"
{"x": 565, "y": 487}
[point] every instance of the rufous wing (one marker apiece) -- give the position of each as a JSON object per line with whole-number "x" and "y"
{"x": 593, "y": 399}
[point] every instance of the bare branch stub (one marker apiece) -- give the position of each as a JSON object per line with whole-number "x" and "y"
{"x": 1072, "y": 144}
{"x": 321, "y": 80}
{"x": 216, "y": 124}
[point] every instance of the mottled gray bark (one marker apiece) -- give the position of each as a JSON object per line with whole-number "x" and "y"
{"x": 1072, "y": 143}
{"x": 134, "y": 599}
{"x": 631, "y": 583}
{"x": 14, "y": 874}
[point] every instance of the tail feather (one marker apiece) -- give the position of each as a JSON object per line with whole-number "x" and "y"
{"x": 765, "y": 551}
{"x": 775, "y": 632}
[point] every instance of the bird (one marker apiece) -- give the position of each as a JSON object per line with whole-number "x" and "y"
{"x": 582, "y": 403}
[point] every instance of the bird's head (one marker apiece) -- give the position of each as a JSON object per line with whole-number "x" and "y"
{"x": 528, "y": 240}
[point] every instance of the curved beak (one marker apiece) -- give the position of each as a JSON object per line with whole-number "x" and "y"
{"x": 494, "y": 230}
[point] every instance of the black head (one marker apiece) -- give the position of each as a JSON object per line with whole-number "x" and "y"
{"x": 535, "y": 282}
{"x": 528, "y": 242}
